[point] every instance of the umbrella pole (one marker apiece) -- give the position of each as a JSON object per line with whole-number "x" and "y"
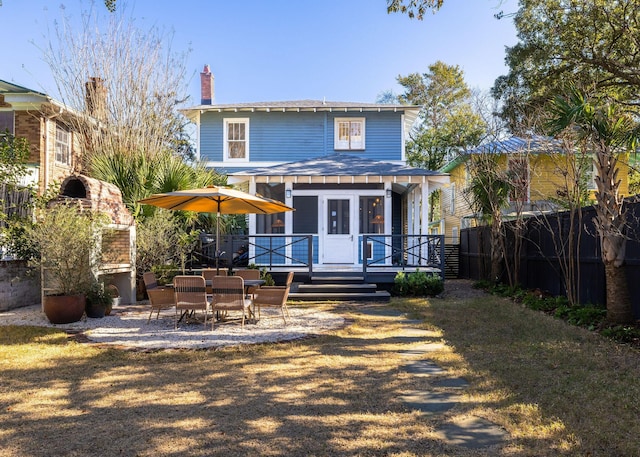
{"x": 218, "y": 243}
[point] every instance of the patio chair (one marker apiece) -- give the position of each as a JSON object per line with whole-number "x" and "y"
{"x": 249, "y": 274}
{"x": 160, "y": 298}
{"x": 150, "y": 281}
{"x": 190, "y": 295}
{"x": 209, "y": 274}
{"x": 228, "y": 295}
{"x": 274, "y": 296}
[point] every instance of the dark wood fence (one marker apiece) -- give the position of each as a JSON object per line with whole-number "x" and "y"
{"x": 539, "y": 260}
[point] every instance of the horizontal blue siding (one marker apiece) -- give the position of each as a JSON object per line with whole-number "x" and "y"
{"x": 383, "y": 135}
{"x": 290, "y": 136}
{"x": 211, "y": 137}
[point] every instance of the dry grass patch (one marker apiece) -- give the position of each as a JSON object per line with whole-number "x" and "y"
{"x": 558, "y": 390}
{"x": 332, "y": 395}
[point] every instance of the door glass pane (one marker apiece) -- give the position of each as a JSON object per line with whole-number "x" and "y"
{"x": 371, "y": 215}
{"x": 338, "y": 217}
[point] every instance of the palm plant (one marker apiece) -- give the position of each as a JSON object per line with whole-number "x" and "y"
{"x": 605, "y": 129}
{"x": 488, "y": 194}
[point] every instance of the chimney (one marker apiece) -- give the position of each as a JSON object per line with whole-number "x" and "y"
{"x": 96, "y": 98}
{"x": 206, "y": 86}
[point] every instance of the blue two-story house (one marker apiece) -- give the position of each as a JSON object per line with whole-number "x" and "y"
{"x": 341, "y": 165}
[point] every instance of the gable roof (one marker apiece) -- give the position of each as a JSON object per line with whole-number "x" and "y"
{"x": 10, "y": 88}
{"x": 23, "y": 98}
{"x": 536, "y": 144}
{"x": 338, "y": 165}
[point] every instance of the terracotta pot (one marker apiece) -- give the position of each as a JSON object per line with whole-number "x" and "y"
{"x": 64, "y": 309}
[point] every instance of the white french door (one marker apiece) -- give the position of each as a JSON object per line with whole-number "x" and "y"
{"x": 338, "y": 229}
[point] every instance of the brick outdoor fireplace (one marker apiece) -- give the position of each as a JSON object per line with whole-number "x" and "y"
{"x": 119, "y": 241}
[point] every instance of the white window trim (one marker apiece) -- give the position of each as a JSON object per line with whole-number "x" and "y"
{"x": 452, "y": 201}
{"x": 68, "y": 145}
{"x": 336, "y": 132}
{"x": 235, "y": 120}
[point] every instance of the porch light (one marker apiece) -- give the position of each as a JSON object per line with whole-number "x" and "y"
{"x": 287, "y": 193}
{"x": 388, "y": 193}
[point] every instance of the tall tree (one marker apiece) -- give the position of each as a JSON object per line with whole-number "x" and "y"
{"x": 447, "y": 120}
{"x": 124, "y": 81}
{"x": 594, "y": 43}
{"x": 607, "y": 130}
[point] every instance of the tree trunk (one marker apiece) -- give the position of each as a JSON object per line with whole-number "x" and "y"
{"x": 619, "y": 309}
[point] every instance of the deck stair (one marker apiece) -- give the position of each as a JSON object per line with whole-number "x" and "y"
{"x": 333, "y": 287}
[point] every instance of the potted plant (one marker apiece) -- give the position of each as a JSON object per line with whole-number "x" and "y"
{"x": 99, "y": 300}
{"x": 68, "y": 241}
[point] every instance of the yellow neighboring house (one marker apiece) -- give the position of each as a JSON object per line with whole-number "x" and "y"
{"x": 542, "y": 182}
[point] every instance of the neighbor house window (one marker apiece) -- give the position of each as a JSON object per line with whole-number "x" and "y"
{"x": 236, "y": 139}
{"x": 349, "y": 133}
{"x": 6, "y": 121}
{"x": 63, "y": 145}
{"x": 452, "y": 201}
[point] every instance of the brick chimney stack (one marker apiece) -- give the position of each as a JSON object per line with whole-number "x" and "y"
{"x": 96, "y": 98}
{"x": 206, "y": 86}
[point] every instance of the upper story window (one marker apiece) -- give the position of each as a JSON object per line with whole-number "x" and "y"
{"x": 236, "y": 139}
{"x": 6, "y": 122}
{"x": 349, "y": 133}
{"x": 63, "y": 145}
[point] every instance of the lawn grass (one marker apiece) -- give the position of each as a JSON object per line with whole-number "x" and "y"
{"x": 557, "y": 389}
{"x": 550, "y": 384}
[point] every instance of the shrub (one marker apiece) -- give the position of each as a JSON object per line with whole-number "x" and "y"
{"x": 417, "y": 284}
{"x": 622, "y": 333}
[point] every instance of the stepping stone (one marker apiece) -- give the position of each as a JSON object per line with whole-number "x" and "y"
{"x": 430, "y": 402}
{"x": 452, "y": 383}
{"x": 422, "y": 349}
{"x": 472, "y": 433}
{"x": 383, "y": 312}
{"x": 418, "y": 332}
{"x": 413, "y": 322}
{"x": 407, "y": 339}
{"x": 423, "y": 368}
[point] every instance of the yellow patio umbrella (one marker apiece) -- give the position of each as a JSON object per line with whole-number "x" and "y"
{"x": 216, "y": 199}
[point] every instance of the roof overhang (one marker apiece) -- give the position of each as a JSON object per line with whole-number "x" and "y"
{"x": 410, "y": 112}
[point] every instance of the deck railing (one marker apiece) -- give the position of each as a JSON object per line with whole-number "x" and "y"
{"x": 405, "y": 252}
{"x": 376, "y": 252}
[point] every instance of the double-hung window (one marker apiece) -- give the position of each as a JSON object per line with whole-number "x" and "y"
{"x": 349, "y": 134}
{"x": 6, "y": 121}
{"x": 63, "y": 145}
{"x": 236, "y": 139}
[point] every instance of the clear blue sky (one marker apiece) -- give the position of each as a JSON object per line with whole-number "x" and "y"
{"x": 268, "y": 50}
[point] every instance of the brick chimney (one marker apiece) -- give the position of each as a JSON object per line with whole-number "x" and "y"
{"x": 206, "y": 86}
{"x": 96, "y": 98}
